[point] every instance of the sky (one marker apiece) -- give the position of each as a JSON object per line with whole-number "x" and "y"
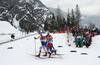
{"x": 87, "y": 7}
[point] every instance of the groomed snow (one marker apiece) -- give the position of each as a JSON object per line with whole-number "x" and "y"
{"x": 18, "y": 56}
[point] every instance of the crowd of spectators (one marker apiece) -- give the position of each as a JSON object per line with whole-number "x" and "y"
{"x": 83, "y": 36}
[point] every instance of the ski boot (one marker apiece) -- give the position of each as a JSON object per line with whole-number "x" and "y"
{"x": 45, "y": 54}
{"x": 49, "y": 54}
{"x": 38, "y": 55}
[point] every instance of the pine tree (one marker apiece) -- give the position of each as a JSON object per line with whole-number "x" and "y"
{"x": 72, "y": 18}
{"x": 55, "y": 25}
{"x": 64, "y": 23}
{"x": 91, "y": 26}
{"x": 77, "y": 16}
{"x": 46, "y": 25}
{"x": 68, "y": 18}
{"x": 31, "y": 28}
{"x": 22, "y": 24}
{"x": 52, "y": 23}
{"x": 59, "y": 18}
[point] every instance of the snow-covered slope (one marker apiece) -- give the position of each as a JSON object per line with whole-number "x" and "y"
{"x": 17, "y": 55}
{"x": 6, "y": 27}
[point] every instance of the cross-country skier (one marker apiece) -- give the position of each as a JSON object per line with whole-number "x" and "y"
{"x": 50, "y": 38}
{"x": 49, "y": 46}
{"x": 43, "y": 43}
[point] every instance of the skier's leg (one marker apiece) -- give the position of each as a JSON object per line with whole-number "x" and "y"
{"x": 45, "y": 50}
{"x": 76, "y": 43}
{"x": 39, "y": 51}
{"x": 50, "y": 47}
{"x": 79, "y": 44}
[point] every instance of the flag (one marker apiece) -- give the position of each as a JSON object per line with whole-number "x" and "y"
{"x": 74, "y": 27}
{"x": 70, "y": 22}
{"x": 71, "y": 29}
{"x": 68, "y": 40}
{"x": 65, "y": 27}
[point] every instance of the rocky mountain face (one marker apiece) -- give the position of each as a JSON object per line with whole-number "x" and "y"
{"x": 24, "y": 13}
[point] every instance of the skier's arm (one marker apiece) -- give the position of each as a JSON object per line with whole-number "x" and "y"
{"x": 38, "y": 37}
{"x": 45, "y": 38}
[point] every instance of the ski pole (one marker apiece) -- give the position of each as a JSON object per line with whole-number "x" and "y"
{"x": 35, "y": 47}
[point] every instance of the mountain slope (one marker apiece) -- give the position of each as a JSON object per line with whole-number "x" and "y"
{"x": 24, "y": 13}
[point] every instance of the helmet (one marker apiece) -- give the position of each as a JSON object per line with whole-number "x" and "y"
{"x": 48, "y": 33}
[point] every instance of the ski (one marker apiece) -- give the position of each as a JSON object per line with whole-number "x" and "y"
{"x": 35, "y": 56}
{"x": 59, "y": 57}
{"x": 58, "y": 54}
{"x": 52, "y": 53}
{"x": 44, "y": 57}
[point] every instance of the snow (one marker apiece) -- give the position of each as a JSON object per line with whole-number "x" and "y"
{"x": 6, "y": 29}
{"x": 18, "y": 56}
{"x": 15, "y": 23}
